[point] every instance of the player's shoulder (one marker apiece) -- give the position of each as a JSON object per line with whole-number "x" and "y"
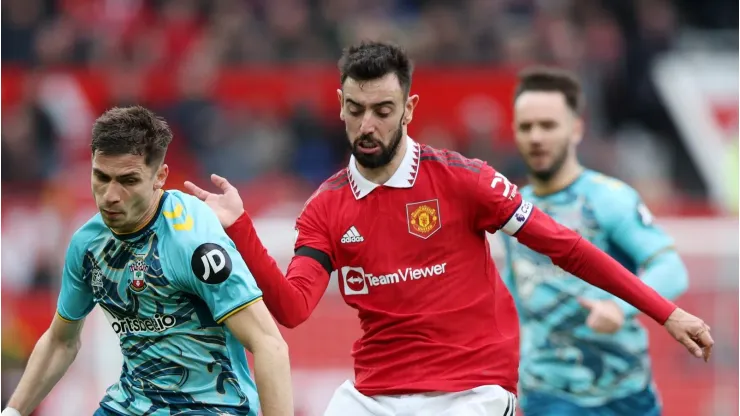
{"x": 187, "y": 219}
{"x": 607, "y": 190}
{"x": 450, "y": 161}
{"x": 613, "y": 199}
{"x": 191, "y": 232}
{"x": 331, "y": 188}
{"x": 88, "y": 232}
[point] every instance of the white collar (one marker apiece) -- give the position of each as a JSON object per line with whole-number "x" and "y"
{"x": 404, "y": 177}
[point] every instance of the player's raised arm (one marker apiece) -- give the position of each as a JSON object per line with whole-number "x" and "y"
{"x": 290, "y": 298}
{"x": 58, "y": 346}
{"x": 500, "y": 207}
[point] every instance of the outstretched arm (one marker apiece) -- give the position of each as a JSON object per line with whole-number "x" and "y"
{"x": 500, "y": 207}
{"x": 290, "y": 298}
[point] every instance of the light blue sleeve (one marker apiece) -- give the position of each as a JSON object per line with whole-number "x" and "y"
{"x": 632, "y": 229}
{"x": 204, "y": 261}
{"x": 75, "y": 298}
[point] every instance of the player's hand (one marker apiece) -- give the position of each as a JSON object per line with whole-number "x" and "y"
{"x": 605, "y": 316}
{"x": 228, "y": 205}
{"x": 692, "y": 332}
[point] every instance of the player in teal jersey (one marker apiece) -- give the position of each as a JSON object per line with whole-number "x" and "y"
{"x": 175, "y": 290}
{"x": 583, "y": 352}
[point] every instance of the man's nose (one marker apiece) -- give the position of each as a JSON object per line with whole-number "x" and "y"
{"x": 112, "y": 194}
{"x": 368, "y": 124}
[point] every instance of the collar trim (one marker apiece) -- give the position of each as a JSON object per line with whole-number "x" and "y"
{"x": 404, "y": 177}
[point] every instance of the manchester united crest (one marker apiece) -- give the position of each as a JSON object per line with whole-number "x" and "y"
{"x": 423, "y": 218}
{"x": 138, "y": 269}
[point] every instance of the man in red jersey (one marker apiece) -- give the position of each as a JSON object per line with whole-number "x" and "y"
{"x": 404, "y": 226}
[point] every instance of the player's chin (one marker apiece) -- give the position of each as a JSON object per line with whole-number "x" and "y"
{"x": 543, "y": 172}
{"x": 113, "y": 220}
{"x": 371, "y": 161}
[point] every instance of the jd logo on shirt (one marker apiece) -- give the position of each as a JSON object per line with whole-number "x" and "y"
{"x": 211, "y": 264}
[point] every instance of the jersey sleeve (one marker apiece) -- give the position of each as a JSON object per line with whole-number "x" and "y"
{"x": 630, "y": 225}
{"x": 498, "y": 204}
{"x": 312, "y": 237}
{"x": 631, "y": 228}
{"x": 205, "y": 262}
{"x": 75, "y": 298}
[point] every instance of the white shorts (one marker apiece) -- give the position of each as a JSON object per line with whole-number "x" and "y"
{"x": 480, "y": 401}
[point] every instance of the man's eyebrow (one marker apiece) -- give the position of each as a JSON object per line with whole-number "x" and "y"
{"x": 99, "y": 172}
{"x": 127, "y": 175}
{"x": 380, "y": 104}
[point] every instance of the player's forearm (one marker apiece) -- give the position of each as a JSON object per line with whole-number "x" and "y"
{"x": 666, "y": 274}
{"x": 46, "y": 366}
{"x": 290, "y": 299}
{"x": 580, "y": 258}
{"x": 272, "y": 375}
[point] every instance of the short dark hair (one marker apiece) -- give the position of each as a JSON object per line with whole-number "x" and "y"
{"x": 131, "y": 130}
{"x": 371, "y": 60}
{"x": 549, "y": 79}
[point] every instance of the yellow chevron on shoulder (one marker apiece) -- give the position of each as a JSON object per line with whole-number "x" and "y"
{"x": 185, "y": 225}
{"x": 174, "y": 213}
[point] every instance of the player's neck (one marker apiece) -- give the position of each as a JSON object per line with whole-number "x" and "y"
{"x": 561, "y": 180}
{"x": 382, "y": 174}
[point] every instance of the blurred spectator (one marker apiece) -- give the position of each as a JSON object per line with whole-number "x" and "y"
{"x": 295, "y": 139}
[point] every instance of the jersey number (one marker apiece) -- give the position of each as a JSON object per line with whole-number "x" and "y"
{"x": 508, "y": 187}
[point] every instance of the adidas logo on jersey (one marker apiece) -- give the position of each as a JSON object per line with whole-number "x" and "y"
{"x": 352, "y": 236}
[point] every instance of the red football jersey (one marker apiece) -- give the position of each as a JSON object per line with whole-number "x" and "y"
{"x": 412, "y": 257}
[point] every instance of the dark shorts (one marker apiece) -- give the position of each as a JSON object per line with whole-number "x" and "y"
{"x": 645, "y": 403}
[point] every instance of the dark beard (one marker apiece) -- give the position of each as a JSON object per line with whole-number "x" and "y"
{"x": 385, "y": 155}
{"x": 547, "y": 174}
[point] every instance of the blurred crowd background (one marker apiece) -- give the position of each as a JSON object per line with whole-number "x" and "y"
{"x": 249, "y": 86}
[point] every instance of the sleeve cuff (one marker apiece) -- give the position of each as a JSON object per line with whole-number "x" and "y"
{"x": 233, "y": 311}
{"x": 65, "y": 319}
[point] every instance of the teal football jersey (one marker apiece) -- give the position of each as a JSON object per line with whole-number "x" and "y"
{"x": 560, "y": 355}
{"x": 166, "y": 291}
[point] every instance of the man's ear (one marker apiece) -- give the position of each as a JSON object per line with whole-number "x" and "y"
{"x": 341, "y": 103}
{"x": 411, "y": 104}
{"x": 161, "y": 176}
